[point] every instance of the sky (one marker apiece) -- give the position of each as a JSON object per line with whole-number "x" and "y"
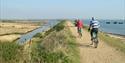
{"x": 62, "y": 9}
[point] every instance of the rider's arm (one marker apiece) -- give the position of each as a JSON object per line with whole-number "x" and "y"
{"x": 90, "y": 25}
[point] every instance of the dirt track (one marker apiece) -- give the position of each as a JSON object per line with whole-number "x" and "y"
{"x": 88, "y": 54}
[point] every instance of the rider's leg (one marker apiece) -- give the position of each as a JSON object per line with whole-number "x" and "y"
{"x": 95, "y": 37}
{"x": 91, "y": 33}
{"x": 80, "y": 31}
{"x": 96, "y": 31}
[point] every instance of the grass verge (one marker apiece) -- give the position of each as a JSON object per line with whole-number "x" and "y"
{"x": 115, "y": 42}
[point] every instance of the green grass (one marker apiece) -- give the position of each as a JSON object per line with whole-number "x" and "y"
{"x": 10, "y": 52}
{"x": 40, "y": 35}
{"x": 55, "y": 46}
{"x": 115, "y": 42}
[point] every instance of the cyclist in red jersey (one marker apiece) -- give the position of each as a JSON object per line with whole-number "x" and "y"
{"x": 79, "y": 27}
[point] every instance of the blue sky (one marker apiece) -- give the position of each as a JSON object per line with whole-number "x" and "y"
{"x": 52, "y": 9}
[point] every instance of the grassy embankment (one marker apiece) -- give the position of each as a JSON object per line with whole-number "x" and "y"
{"x": 114, "y": 42}
{"x": 57, "y": 45}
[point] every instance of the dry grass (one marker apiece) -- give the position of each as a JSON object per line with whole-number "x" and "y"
{"x": 7, "y": 28}
{"x": 9, "y": 38}
{"x": 12, "y": 31}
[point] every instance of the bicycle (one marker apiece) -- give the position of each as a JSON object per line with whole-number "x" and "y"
{"x": 95, "y": 40}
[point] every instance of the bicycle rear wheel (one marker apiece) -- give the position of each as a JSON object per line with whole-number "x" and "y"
{"x": 95, "y": 43}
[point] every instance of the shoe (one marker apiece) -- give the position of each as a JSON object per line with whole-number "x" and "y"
{"x": 95, "y": 47}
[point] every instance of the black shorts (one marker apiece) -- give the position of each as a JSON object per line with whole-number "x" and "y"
{"x": 94, "y": 30}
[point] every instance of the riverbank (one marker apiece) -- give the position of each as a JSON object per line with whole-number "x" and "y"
{"x": 10, "y": 31}
{"x": 122, "y": 37}
{"x": 115, "y": 41}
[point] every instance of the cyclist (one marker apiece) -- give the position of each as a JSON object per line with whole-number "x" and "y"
{"x": 93, "y": 28}
{"x": 79, "y": 26}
